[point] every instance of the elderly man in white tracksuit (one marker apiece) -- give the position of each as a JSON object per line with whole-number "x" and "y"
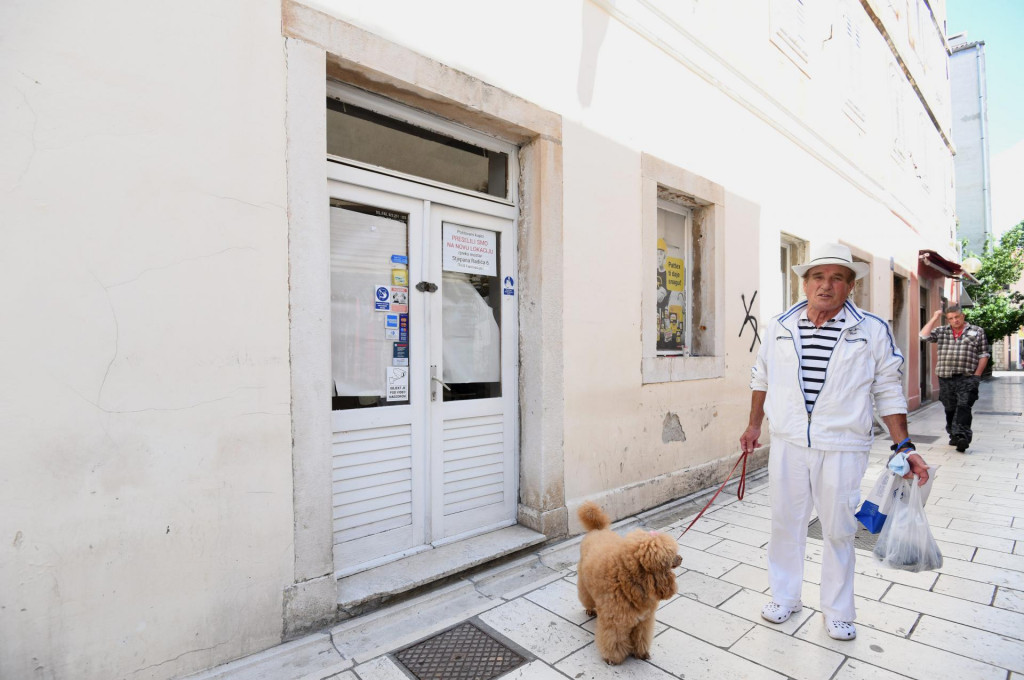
{"x": 823, "y": 366}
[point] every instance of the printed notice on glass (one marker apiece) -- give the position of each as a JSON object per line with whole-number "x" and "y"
{"x": 397, "y": 383}
{"x": 469, "y": 250}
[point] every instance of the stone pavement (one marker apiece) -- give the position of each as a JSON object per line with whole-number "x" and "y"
{"x": 963, "y": 622}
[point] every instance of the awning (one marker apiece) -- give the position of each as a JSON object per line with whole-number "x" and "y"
{"x": 932, "y": 259}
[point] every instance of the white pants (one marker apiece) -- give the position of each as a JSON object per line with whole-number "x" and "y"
{"x": 800, "y": 479}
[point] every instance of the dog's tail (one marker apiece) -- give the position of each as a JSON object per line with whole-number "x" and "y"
{"x": 593, "y": 517}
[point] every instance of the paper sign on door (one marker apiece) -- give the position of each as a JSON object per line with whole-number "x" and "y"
{"x": 397, "y": 378}
{"x": 469, "y": 250}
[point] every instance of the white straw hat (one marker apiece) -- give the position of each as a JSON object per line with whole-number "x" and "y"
{"x": 832, "y": 253}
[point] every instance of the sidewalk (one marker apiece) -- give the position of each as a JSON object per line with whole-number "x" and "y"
{"x": 963, "y": 622}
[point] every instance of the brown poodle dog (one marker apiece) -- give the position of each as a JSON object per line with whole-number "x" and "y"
{"x": 621, "y": 580}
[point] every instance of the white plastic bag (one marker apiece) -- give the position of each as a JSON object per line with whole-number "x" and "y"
{"x": 906, "y": 541}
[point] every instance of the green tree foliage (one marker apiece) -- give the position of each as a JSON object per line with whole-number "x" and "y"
{"x": 997, "y": 309}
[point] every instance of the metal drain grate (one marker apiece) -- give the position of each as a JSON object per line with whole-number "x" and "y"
{"x": 924, "y": 438}
{"x": 461, "y": 653}
{"x": 863, "y": 539}
{"x": 997, "y": 413}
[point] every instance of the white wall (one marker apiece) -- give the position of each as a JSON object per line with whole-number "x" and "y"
{"x": 144, "y": 417}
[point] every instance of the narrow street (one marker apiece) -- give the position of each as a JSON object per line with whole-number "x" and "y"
{"x": 962, "y": 622}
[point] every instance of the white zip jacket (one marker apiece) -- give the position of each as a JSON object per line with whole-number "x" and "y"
{"x": 864, "y": 371}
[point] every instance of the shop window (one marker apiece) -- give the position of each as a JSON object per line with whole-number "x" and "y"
{"x": 675, "y": 287}
{"x": 862, "y": 290}
{"x": 683, "y": 337}
{"x": 792, "y": 251}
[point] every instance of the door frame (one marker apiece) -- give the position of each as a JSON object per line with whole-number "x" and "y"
{"x": 354, "y": 181}
{"x": 319, "y": 48}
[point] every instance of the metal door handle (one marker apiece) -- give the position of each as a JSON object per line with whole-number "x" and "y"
{"x": 433, "y": 379}
{"x": 426, "y": 287}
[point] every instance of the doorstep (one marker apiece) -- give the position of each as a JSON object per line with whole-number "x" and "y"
{"x": 378, "y": 585}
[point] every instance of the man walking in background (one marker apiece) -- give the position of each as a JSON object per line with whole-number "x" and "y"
{"x": 963, "y": 355}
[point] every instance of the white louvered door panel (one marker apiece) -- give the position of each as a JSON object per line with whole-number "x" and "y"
{"x": 474, "y": 472}
{"x": 374, "y": 510}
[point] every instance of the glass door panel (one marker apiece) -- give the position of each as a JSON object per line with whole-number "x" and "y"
{"x": 471, "y": 313}
{"x": 370, "y": 361}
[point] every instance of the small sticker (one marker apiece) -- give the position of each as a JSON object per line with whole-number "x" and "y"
{"x": 403, "y": 328}
{"x": 399, "y": 277}
{"x": 400, "y": 354}
{"x": 397, "y": 378}
{"x": 399, "y": 259}
{"x": 391, "y": 327}
{"x": 382, "y": 299}
{"x": 509, "y": 288}
{"x": 399, "y": 299}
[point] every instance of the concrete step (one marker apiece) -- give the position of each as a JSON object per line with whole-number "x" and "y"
{"x": 375, "y": 586}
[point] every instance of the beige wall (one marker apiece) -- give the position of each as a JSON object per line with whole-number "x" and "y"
{"x": 145, "y": 527}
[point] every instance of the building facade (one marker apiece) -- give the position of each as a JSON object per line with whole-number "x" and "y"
{"x": 969, "y": 99}
{"x": 301, "y": 292}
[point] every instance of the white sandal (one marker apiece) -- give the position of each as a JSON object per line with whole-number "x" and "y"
{"x": 840, "y": 630}
{"x": 776, "y": 613}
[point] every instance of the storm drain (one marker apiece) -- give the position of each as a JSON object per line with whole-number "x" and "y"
{"x": 997, "y": 413}
{"x": 863, "y": 539}
{"x": 461, "y": 653}
{"x": 925, "y": 438}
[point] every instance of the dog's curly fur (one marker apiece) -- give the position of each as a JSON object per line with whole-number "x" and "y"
{"x": 621, "y": 580}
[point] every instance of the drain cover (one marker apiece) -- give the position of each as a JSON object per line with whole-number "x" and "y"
{"x": 997, "y": 413}
{"x": 924, "y": 438}
{"x": 863, "y": 539}
{"x": 461, "y": 653}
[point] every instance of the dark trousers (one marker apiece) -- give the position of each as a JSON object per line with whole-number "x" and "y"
{"x": 958, "y": 395}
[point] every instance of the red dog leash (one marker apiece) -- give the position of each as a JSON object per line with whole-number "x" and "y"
{"x": 741, "y": 488}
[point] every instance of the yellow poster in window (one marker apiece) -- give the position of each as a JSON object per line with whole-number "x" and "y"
{"x": 674, "y": 273}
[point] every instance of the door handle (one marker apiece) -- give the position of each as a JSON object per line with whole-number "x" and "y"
{"x": 433, "y": 379}
{"x": 426, "y": 287}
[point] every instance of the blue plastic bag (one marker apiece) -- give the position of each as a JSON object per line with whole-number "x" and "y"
{"x": 875, "y": 508}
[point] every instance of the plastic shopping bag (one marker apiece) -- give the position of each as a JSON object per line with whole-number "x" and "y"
{"x": 875, "y": 507}
{"x": 906, "y": 541}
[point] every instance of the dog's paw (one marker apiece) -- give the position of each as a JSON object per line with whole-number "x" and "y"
{"x": 590, "y": 612}
{"x": 643, "y": 656}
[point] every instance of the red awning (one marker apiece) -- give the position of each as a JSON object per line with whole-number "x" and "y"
{"x": 932, "y": 259}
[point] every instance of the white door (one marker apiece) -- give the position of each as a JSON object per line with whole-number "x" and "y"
{"x": 424, "y": 360}
{"x": 472, "y": 367}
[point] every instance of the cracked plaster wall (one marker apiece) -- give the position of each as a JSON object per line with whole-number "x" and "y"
{"x": 144, "y": 417}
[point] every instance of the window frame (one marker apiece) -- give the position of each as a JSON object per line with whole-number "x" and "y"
{"x": 706, "y": 274}
{"x": 406, "y": 114}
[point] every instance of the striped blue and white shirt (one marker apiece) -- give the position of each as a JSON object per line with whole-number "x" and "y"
{"x": 816, "y": 345}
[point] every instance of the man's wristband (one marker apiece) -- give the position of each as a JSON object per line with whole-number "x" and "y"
{"x": 905, "y": 445}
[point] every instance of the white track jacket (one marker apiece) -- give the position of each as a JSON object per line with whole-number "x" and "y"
{"x": 864, "y": 371}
